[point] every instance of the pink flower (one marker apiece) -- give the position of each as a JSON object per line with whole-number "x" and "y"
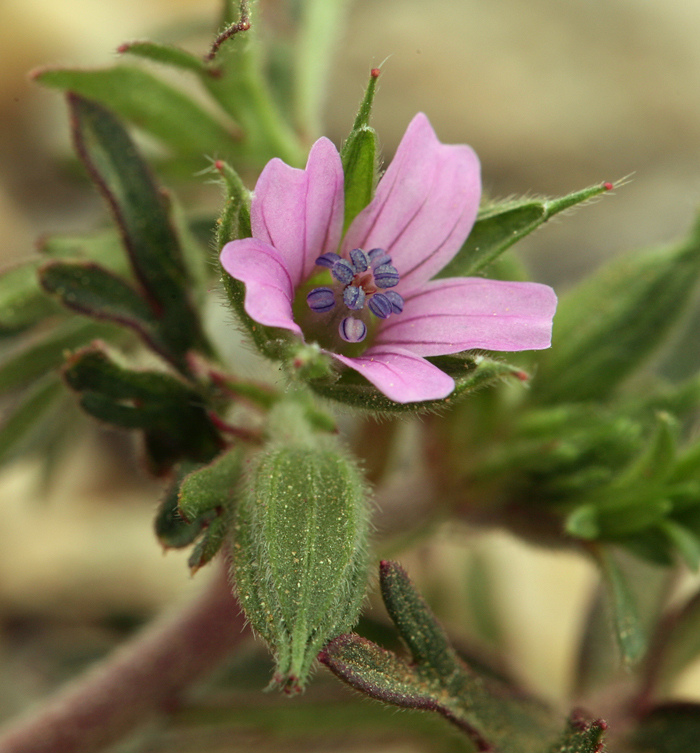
{"x": 368, "y": 298}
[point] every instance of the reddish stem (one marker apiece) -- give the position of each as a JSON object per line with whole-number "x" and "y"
{"x": 145, "y": 676}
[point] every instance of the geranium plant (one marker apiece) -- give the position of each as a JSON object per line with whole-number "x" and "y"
{"x": 380, "y": 292}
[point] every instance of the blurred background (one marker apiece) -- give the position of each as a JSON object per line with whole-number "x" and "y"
{"x": 553, "y": 96}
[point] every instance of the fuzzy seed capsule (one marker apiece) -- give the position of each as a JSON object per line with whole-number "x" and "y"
{"x": 300, "y": 554}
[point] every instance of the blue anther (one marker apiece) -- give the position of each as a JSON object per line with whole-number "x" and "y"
{"x": 327, "y": 260}
{"x": 359, "y": 260}
{"x": 352, "y": 330}
{"x": 395, "y": 299}
{"x": 354, "y": 297}
{"x": 321, "y": 300}
{"x": 378, "y": 256}
{"x": 343, "y": 271}
{"x": 386, "y": 276}
{"x": 380, "y": 305}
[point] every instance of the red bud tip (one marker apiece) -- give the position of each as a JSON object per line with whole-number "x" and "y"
{"x": 123, "y": 48}
{"x": 523, "y": 376}
{"x": 298, "y": 363}
{"x": 601, "y": 724}
{"x": 375, "y": 72}
{"x": 608, "y": 186}
{"x": 219, "y": 165}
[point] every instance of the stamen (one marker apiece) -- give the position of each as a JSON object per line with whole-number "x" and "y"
{"x": 354, "y": 297}
{"x": 343, "y": 271}
{"x": 380, "y": 305}
{"x": 386, "y": 276}
{"x": 352, "y": 330}
{"x": 395, "y": 299}
{"x": 359, "y": 260}
{"x": 378, "y": 256}
{"x": 321, "y": 300}
{"x": 327, "y": 260}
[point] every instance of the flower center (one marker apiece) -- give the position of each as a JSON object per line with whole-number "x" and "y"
{"x": 365, "y": 279}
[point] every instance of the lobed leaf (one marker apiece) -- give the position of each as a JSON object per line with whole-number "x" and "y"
{"x": 22, "y": 301}
{"x": 142, "y": 215}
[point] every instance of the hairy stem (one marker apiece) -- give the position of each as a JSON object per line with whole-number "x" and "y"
{"x": 145, "y": 676}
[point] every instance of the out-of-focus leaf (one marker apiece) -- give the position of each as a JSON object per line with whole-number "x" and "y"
{"x": 631, "y": 638}
{"x": 24, "y": 421}
{"x": 33, "y": 361}
{"x": 142, "y": 215}
{"x": 668, "y": 728}
{"x": 499, "y": 226}
{"x": 320, "y": 26}
{"x": 22, "y": 301}
{"x": 149, "y": 103}
{"x": 166, "y": 54}
{"x": 612, "y": 321}
{"x": 104, "y": 247}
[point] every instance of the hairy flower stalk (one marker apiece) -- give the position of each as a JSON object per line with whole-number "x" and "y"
{"x": 368, "y": 298}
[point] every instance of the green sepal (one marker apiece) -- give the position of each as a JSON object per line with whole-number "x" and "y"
{"x": 166, "y": 54}
{"x": 499, "y": 226}
{"x": 608, "y": 325}
{"x": 89, "y": 289}
{"x": 35, "y": 358}
{"x": 493, "y": 714}
{"x": 172, "y": 415}
{"x": 213, "y": 487}
{"x": 22, "y": 301}
{"x": 213, "y": 538}
{"x": 630, "y": 635}
{"x": 359, "y": 157}
{"x": 470, "y": 371}
{"x": 152, "y": 105}
{"x": 143, "y": 218}
{"x": 300, "y": 550}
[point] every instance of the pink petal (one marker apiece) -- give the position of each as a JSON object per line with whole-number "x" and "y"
{"x": 424, "y": 207}
{"x": 268, "y": 286}
{"x": 455, "y": 314}
{"x": 300, "y": 212}
{"x": 400, "y": 375}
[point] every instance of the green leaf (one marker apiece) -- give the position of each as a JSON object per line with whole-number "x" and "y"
{"x": 212, "y": 487}
{"x": 152, "y": 105}
{"x": 142, "y": 215}
{"x": 470, "y": 371}
{"x": 35, "y": 359}
{"x": 173, "y": 416}
{"x": 631, "y": 639}
{"x": 500, "y": 226}
{"x": 608, "y": 325}
{"x": 91, "y": 290}
{"x": 359, "y": 157}
{"x": 166, "y": 54}
{"x": 22, "y": 301}
{"x": 581, "y": 736}
{"x": 494, "y": 715}
{"x": 683, "y": 541}
{"x": 321, "y": 24}
{"x": 215, "y": 534}
{"x": 300, "y": 550}
{"x": 26, "y": 421}
{"x": 104, "y": 247}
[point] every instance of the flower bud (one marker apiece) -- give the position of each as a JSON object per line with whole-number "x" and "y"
{"x": 299, "y": 552}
